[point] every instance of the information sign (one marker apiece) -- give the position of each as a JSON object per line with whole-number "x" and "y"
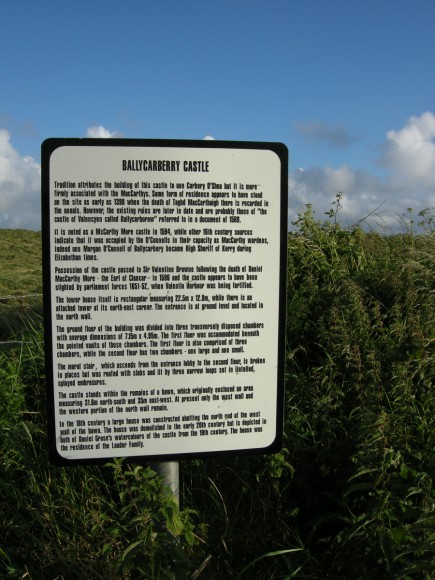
{"x": 164, "y": 289}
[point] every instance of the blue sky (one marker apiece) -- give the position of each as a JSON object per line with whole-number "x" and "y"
{"x": 347, "y": 85}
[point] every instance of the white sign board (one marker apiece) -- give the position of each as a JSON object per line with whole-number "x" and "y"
{"x": 164, "y": 284}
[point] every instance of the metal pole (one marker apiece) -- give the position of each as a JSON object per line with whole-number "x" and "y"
{"x": 170, "y": 472}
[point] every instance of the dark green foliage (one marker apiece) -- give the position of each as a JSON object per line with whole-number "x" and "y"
{"x": 351, "y": 494}
{"x": 83, "y": 522}
{"x": 361, "y": 373}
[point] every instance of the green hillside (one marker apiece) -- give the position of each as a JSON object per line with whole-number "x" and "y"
{"x": 20, "y": 279}
{"x": 20, "y": 262}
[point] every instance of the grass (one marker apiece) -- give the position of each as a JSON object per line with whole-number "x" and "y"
{"x": 350, "y": 495}
{"x": 20, "y": 262}
{"x": 21, "y": 278}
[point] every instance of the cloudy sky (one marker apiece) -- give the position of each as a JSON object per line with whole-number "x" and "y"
{"x": 347, "y": 85}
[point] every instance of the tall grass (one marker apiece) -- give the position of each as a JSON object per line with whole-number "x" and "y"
{"x": 86, "y": 522}
{"x": 350, "y": 495}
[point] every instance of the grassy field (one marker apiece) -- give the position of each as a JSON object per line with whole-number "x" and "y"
{"x": 20, "y": 262}
{"x": 21, "y": 276}
{"x": 350, "y": 495}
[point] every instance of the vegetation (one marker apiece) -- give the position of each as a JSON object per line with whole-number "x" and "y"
{"x": 350, "y": 495}
{"x": 21, "y": 278}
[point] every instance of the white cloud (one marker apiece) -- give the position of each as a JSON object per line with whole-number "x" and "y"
{"x": 100, "y": 132}
{"x": 410, "y": 153}
{"x": 409, "y": 159}
{"x": 208, "y": 138}
{"x": 20, "y": 186}
{"x": 361, "y": 193}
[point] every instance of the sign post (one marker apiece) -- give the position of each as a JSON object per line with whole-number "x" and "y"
{"x": 169, "y": 471}
{"x": 164, "y": 288}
